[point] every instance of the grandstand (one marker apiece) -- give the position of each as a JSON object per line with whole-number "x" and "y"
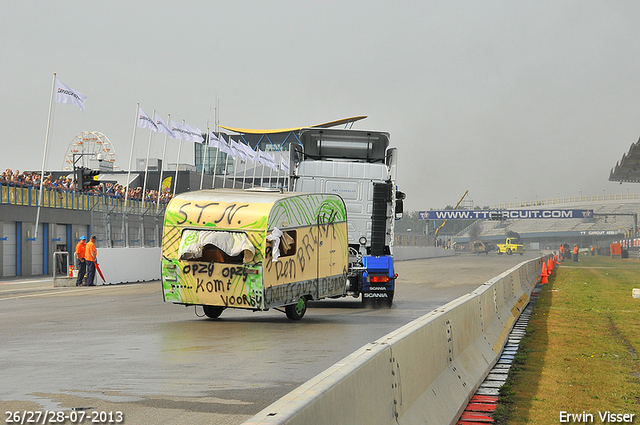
{"x": 614, "y": 219}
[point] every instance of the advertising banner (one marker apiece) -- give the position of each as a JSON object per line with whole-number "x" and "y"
{"x": 502, "y": 214}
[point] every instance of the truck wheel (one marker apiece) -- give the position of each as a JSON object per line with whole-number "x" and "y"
{"x": 212, "y": 311}
{"x": 296, "y": 311}
{"x": 509, "y": 251}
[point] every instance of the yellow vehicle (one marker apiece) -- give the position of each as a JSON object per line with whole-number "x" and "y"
{"x": 254, "y": 250}
{"x": 511, "y": 246}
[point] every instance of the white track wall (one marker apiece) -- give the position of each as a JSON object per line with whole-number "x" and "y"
{"x": 423, "y": 373}
{"x": 126, "y": 265}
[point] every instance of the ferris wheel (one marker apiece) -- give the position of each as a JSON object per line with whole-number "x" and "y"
{"x": 88, "y": 146}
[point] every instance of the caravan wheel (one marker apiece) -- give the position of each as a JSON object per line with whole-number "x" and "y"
{"x": 212, "y": 311}
{"x": 296, "y": 311}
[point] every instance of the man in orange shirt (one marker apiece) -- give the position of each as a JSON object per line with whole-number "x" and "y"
{"x": 575, "y": 253}
{"x": 81, "y": 264}
{"x": 91, "y": 256}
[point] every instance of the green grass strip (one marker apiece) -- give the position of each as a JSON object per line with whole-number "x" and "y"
{"x": 580, "y": 352}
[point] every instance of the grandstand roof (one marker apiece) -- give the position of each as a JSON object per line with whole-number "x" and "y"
{"x": 628, "y": 168}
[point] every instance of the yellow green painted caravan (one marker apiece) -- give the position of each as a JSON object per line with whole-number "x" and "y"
{"x": 313, "y": 265}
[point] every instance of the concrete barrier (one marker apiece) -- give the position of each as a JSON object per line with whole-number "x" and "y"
{"x": 141, "y": 265}
{"x": 123, "y": 265}
{"x": 425, "y": 372}
{"x": 64, "y": 281}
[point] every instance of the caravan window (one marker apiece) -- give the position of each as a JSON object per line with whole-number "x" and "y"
{"x": 286, "y": 244}
{"x": 216, "y": 246}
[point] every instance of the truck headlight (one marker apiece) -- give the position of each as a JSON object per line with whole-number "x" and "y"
{"x": 362, "y": 240}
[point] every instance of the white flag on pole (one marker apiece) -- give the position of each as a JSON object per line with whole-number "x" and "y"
{"x": 237, "y": 150}
{"x": 228, "y": 149}
{"x": 145, "y": 122}
{"x": 162, "y": 127}
{"x": 259, "y": 159}
{"x": 284, "y": 164}
{"x": 273, "y": 165}
{"x": 64, "y": 94}
{"x": 180, "y": 131}
{"x": 232, "y": 152}
{"x": 214, "y": 142}
{"x": 250, "y": 153}
{"x": 267, "y": 160}
{"x": 195, "y": 133}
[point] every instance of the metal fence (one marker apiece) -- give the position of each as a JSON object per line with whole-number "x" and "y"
{"x": 569, "y": 200}
{"x": 134, "y": 228}
{"x": 115, "y": 225}
{"x": 413, "y": 240}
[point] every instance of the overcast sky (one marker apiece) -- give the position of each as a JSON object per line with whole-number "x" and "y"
{"x": 511, "y": 100}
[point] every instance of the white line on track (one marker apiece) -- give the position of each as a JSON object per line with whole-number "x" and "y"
{"x": 18, "y": 282}
{"x": 61, "y": 292}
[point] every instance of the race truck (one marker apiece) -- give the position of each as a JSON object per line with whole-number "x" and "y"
{"x": 511, "y": 246}
{"x": 261, "y": 249}
{"x": 360, "y": 167}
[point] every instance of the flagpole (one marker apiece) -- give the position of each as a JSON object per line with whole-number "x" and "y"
{"x": 175, "y": 183}
{"x": 44, "y": 156}
{"x": 215, "y": 166}
{"x": 133, "y": 142}
{"x": 146, "y": 167}
{"x": 270, "y": 171}
{"x": 262, "y": 175}
{"x": 205, "y": 144}
{"x": 279, "y": 165}
{"x": 164, "y": 151}
{"x": 288, "y": 176}
{"x": 226, "y": 167}
{"x": 235, "y": 164}
{"x": 244, "y": 171}
{"x": 255, "y": 167}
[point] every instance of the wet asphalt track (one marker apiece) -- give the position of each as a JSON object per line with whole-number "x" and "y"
{"x": 121, "y": 348}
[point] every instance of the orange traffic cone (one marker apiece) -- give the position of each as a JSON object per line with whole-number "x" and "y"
{"x": 543, "y": 274}
{"x": 555, "y": 258}
{"x": 550, "y": 266}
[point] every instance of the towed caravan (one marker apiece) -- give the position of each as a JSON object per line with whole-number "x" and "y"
{"x": 254, "y": 250}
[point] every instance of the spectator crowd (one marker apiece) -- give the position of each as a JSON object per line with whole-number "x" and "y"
{"x": 61, "y": 184}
